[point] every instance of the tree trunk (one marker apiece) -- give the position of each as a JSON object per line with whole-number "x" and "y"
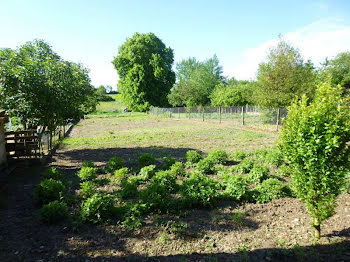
{"x": 317, "y": 227}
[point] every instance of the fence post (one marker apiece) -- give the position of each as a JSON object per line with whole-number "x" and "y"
{"x": 178, "y": 112}
{"x": 278, "y": 118}
{"x": 203, "y": 113}
{"x": 220, "y": 114}
{"x": 243, "y": 115}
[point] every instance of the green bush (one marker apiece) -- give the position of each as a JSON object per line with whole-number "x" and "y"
{"x": 245, "y": 166}
{"x": 269, "y": 189}
{"x": 52, "y": 173}
{"x": 199, "y": 190}
{"x": 147, "y": 172}
{"x": 115, "y": 163}
{"x": 156, "y": 197}
{"x": 129, "y": 187}
{"x": 192, "y": 157}
{"x": 177, "y": 169}
{"x": 121, "y": 173}
{"x": 284, "y": 170}
{"x": 168, "y": 162}
{"x": 206, "y": 166}
{"x": 97, "y": 208}
{"x": 87, "y": 174}
{"x": 236, "y": 187}
{"x": 88, "y": 164}
{"x": 49, "y": 190}
{"x": 218, "y": 156}
{"x": 239, "y": 155}
{"x": 133, "y": 218}
{"x": 54, "y": 212}
{"x": 260, "y": 154}
{"x": 87, "y": 189}
{"x": 146, "y": 160}
{"x": 274, "y": 157}
{"x": 258, "y": 174}
{"x": 166, "y": 179}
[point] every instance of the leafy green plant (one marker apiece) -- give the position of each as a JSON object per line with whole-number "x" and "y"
{"x": 88, "y": 164}
{"x": 54, "y": 212}
{"x": 121, "y": 173}
{"x": 156, "y": 197}
{"x": 258, "y": 173}
{"x": 177, "y": 169}
{"x": 97, "y": 208}
{"x": 313, "y": 141}
{"x": 199, "y": 190}
{"x": 274, "y": 157}
{"x": 260, "y": 154}
{"x": 87, "y": 174}
{"x": 129, "y": 187}
{"x": 115, "y": 163}
{"x": 147, "y": 172}
{"x": 218, "y": 156}
{"x": 166, "y": 179}
{"x": 237, "y": 217}
{"x": 269, "y": 189}
{"x": 236, "y": 187}
{"x": 146, "y": 160}
{"x": 49, "y": 190}
{"x": 134, "y": 216}
{"x": 206, "y": 166}
{"x": 239, "y": 155}
{"x": 168, "y": 162}
{"x": 284, "y": 170}
{"x": 245, "y": 166}
{"x": 192, "y": 157}
{"x": 52, "y": 173}
{"x": 87, "y": 189}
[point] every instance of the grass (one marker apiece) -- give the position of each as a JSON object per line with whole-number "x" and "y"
{"x": 112, "y": 106}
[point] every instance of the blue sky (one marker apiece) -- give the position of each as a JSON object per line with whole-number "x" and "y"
{"x": 240, "y": 33}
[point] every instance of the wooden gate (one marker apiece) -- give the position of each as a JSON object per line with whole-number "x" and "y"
{"x": 22, "y": 144}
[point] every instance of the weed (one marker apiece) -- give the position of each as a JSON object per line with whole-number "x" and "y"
{"x": 49, "y": 190}
{"x": 87, "y": 174}
{"x": 192, "y": 158}
{"x": 237, "y": 217}
{"x": 54, "y": 212}
{"x": 218, "y": 156}
{"x": 52, "y": 173}
{"x": 88, "y": 164}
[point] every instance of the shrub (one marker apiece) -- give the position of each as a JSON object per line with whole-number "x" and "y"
{"x": 167, "y": 162}
{"x": 284, "y": 170}
{"x": 88, "y": 164}
{"x": 129, "y": 187}
{"x": 166, "y": 179}
{"x": 236, "y": 187}
{"x": 239, "y": 155}
{"x": 121, "y": 173}
{"x": 146, "y": 160}
{"x": 52, "y": 173}
{"x": 206, "y": 166}
{"x": 245, "y": 166}
{"x": 49, "y": 190}
{"x": 54, "y": 212}
{"x": 87, "y": 173}
{"x": 199, "y": 190}
{"x": 177, "y": 169}
{"x": 192, "y": 157}
{"x": 156, "y": 197}
{"x": 97, "y": 208}
{"x": 258, "y": 174}
{"x": 314, "y": 142}
{"x": 147, "y": 172}
{"x": 134, "y": 216}
{"x": 269, "y": 189}
{"x": 115, "y": 163}
{"x": 87, "y": 189}
{"x": 218, "y": 156}
{"x": 274, "y": 157}
{"x": 260, "y": 154}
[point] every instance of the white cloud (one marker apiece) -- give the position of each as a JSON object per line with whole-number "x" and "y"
{"x": 321, "y": 39}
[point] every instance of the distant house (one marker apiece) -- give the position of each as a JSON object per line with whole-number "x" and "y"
{"x": 3, "y": 120}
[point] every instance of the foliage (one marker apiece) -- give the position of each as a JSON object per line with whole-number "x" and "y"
{"x": 54, "y": 212}
{"x": 129, "y": 187}
{"x": 87, "y": 173}
{"x": 274, "y": 157}
{"x": 199, "y": 190}
{"x": 259, "y": 173}
{"x": 156, "y": 197}
{"x": 245, "y": 166}
{"x": 269, "y": 189}
{"x": 206, "y": 166}
{"x": 165, "y": 179}
{"x": 218, "y": 156}
{"x": 195, "y": 82}
{"x": 146, "y": 160}
{"x": 97, "y": 208}
{"x": 236, "y": 187}
{"x": 115, "y": 163}
{"x": 239, "y": 155}
{"x": 144, "y": 66}
{"x": 177, "y": 169}
{"x": 87, "y": 189}
{"x": 147, "y": 172}
{"x": 49, "y": 190}
{"x": 168, "y": 162}
{"x": 133, "y": 217}
{"x": 284, "y": 76}
{"x": 88, "y": 164}
{"x": 121, "y": 173}
{"x": 192, "y": 157}
{"x": 52, "y": 173}
{"x": 313, "y": 141}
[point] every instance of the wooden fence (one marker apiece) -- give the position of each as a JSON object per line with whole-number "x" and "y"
{"x": 22, "y": 144}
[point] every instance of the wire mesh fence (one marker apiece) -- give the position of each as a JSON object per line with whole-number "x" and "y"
{"x": 254, "y": 116}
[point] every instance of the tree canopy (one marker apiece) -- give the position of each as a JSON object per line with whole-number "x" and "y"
{"x": 195, "y": 82}
{"x": 144, "y": 65}
{"x": 284, "y": 76}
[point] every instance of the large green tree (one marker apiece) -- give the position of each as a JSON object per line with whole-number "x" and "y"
{"x": 195, "y": 82}
{"x": 284, "y": 76}
{"x": 144, "y": 65}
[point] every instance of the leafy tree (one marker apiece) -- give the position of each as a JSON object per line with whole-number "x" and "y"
{"x": 313, "y": 140}
{"x": 144, "y": 65}
{"x": 195, "y": 82}
{"x": 339, "y": 69}
{"x": 236, "y": 94}
{"x": 284, "y": 76}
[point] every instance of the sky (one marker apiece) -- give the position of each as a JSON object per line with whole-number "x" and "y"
{"x": 240, "y": 33}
